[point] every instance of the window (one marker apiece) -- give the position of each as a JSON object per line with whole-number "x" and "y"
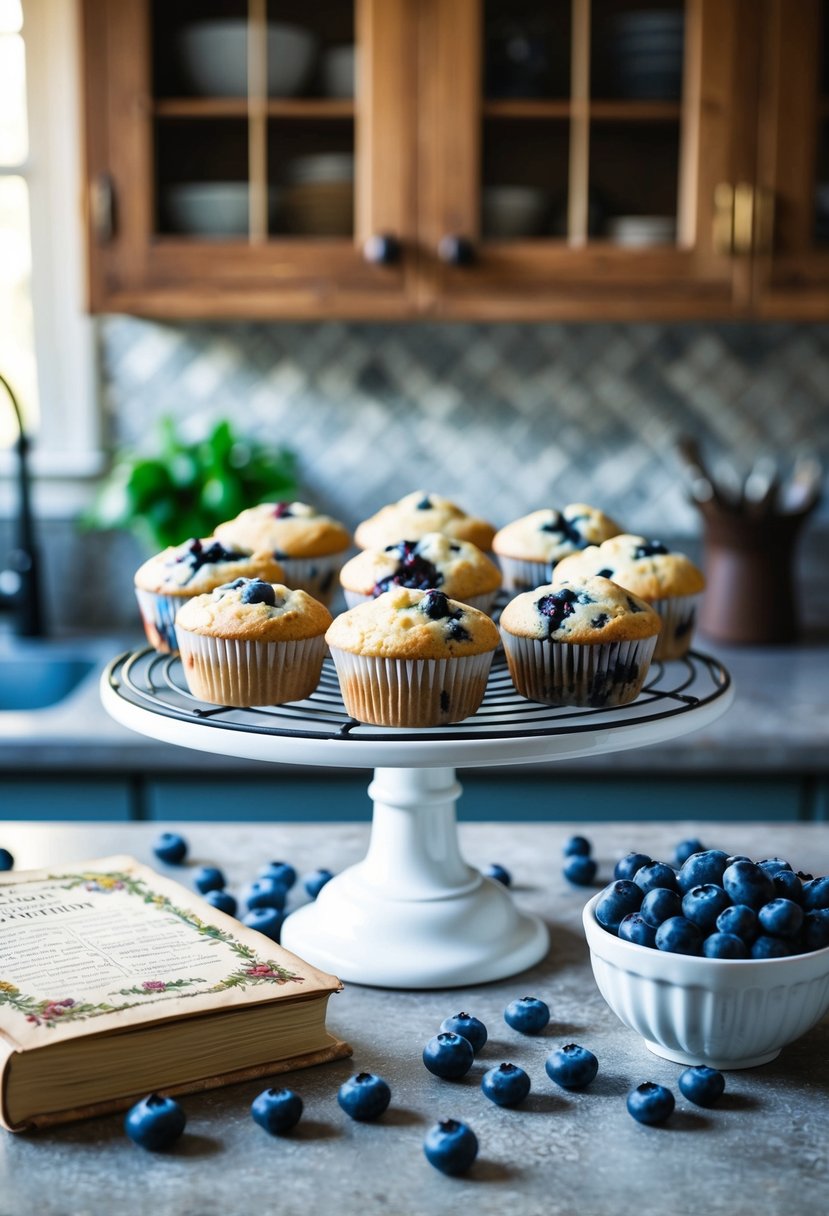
{"x": 46, "y": 344}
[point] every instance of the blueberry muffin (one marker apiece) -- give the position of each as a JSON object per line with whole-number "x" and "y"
{"x": 178, "y": 573}
{"x": 457, "y": 567}
{"x": 666, "y": 579}
{"x": 412, "y": 658}
{"x": 415, "y": 515}
{"x": 586, "y": 642}
{"x": 529, "y": 548}
{"x": 310, "y": 546}
{"x": 251, "y": 642}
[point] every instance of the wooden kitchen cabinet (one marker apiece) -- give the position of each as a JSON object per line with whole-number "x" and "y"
{"x": 511, "y": 159}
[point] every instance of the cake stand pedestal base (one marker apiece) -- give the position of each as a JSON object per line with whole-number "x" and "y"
{"x": 413, "y": 913}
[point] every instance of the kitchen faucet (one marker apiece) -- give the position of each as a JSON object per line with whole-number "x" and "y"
{"x": 19, "y": 582}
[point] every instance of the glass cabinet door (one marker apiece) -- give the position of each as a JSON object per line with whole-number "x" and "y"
{"x": 572, "y": 167}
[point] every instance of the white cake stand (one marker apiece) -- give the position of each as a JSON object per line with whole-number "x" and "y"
{"x": 413, "y": 913}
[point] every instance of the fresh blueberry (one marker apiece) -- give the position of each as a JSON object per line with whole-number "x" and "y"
{"x": 499, "y": 873}
{"x": 265, "y": 920}
{"x": 627, "y": 866}
{"x": 788, "y": 886}
{"x": 773, "y": 865}
{"x": 781, "y": 918}
{"x": 506, "y": 1085}
{"x": 282, "y": 871}
{"x": 685, "y": 849}
{"x": 208, "y": 878}
{"x": 815, "y": 929}
{"x": 6, "y": 860}
{"x": 265, "y": 893}
{"x": 746, "y": 883}
{"x": 816, "y": 894}
{"x": 571, "y": 1067}
{"x": 660, "y": 904}
{"x": 739, "y": 919}
{"x": 650, "y": 1103}
{"x": 580, "y": 870}
{"x": 277, "y": 1110}
{"x": 364, "y": 1096}
{"x": 578, "y": 846}
{"x": 703, "y": 904}
{"x": 701, "y": 1085}
{"x": 700, "y": 868}
{"x": 634, "y": 928}
{"x": 468, "y": 1027}
{"x": 169, "y": 847}
{"x": 155, "y": 1122}
{"x": 450, "y": 1146}
{"x": 770, "y": 947}
{"x": 448, "y": 1055}
{"x": 724, "y": 945}
{"x": 527, "y": 1014}
{"x": 315, "y": 881}
{"x": 222, "y": 900}
{"x": 678, "y": 935}
{"x": 616, "y": 902}
{"x": 654, "y": 875}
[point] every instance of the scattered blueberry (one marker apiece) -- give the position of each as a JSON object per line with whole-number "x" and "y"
{"x": 703, "y": 904}
{"x": 781, "y": 918}
{"x": 685, "y": 849}
{"x": 746, "y": 883}
{"x": 315, "y": 881}
{"x": 364, "y": 1096}
{"x": 265, "y": 893}
{"x": 701, "y": 1085}
{"x": 169, "y": 847}
{"x": 222, "y": 900}
{"x": 816, "y": 894}
{"x": 208, "y": 878}
{"x": 499, "y": 873}
{"x": 282, "y": 871}
{"x": 655, "y": 874}
{"x": 678, "y": 935}
{"x": 155, "y": 1123}
{"x": 616, "y": 902}
{"x": 265, "y": 920}
{"x": 650, "y": 1103}
{"x": 277, "y": 1110}
{"x": 634, "y": 928}
{"x": 6, "y": 860}
{"x": 627, "y": 866}
{"x": 451, "y": 1146}
{"x": 506, "y": 1085}
{"x": 448, "y": 1055}
{"x": 579, "y": 846}
{"x": 739, "y": 919}
{"x": 660, "y": 904}
{"x": 769, "y": 947}
{"x": 580, "y": 870}
{"x": 700, "y": 868}
{"x": 724, "y": 945}
{"x": 527, "y": 1014}
{"x": 571, "y": 1067}
{"x": 468, "y": 1027}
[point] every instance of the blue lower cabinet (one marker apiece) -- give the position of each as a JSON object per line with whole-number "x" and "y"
{"x": 65, "y": 798}
{"x": 280, "y": 799}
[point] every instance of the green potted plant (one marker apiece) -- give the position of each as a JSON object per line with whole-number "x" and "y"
{"x": 181, "y": 489}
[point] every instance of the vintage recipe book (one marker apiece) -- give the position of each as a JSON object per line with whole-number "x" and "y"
{"x": 115, "y": 982}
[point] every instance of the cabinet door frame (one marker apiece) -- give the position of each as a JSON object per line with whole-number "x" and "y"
{"x": 133, "y": 270}
{"x": 549, "y": 279}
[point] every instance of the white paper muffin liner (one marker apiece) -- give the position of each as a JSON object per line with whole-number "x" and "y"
{"x": 316, "y": 575}
{"x": 411, "y": 692}
{"x": 562, "y": 673}
{"x": 482, "y": 602}
{"x": 227, "y": 671}
{"x": 520, "y": 575}
{"x": 158, "y": 612}
{"x": 679, "y": 616}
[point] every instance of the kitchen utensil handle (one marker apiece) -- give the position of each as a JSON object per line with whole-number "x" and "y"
{"x": 382, "y": 249}
{"x": 456, "y": 250}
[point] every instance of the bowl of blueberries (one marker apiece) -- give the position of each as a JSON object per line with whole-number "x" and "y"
{"x": 714, "y": 960}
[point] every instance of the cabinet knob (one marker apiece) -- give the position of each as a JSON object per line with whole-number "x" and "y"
{"x": 456, "y": 250}
{"x": 382, "y": 249}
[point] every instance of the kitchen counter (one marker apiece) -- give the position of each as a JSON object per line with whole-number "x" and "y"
{"x": 762, "y": 1150}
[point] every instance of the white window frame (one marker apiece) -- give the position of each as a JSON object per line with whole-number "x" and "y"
{"x": 67, "y": 451}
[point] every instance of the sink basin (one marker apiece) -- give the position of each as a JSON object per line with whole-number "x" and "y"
{"x": 40, "y": 680}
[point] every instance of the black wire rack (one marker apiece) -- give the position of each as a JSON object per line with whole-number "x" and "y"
{"x": 155, "y": 683}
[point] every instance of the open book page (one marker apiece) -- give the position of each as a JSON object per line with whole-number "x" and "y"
{"x": 102, "y": 945}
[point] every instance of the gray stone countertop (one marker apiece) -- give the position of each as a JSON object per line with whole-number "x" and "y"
{"x": 762, "y": 1150}
{"x": 779, "y": 723}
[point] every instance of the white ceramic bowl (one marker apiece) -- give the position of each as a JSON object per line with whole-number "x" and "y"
{"x": 212, "y": 209}
{"x": 721, "y": 1012}
{"x": 513, "y": 211}
{"x": 212, "y": 58}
